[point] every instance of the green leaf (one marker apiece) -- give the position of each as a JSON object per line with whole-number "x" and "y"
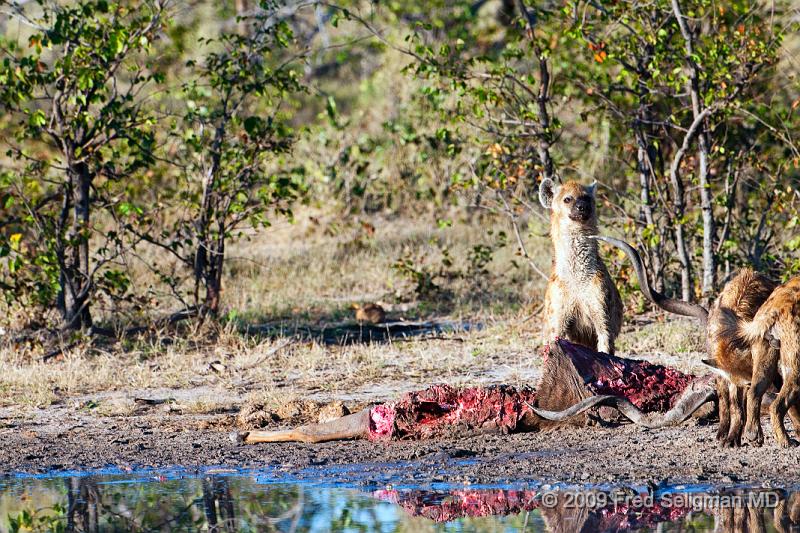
{"x": 330, "y": 108}
{"x": 252, "y": 125}
{"x": 37, "y": 119}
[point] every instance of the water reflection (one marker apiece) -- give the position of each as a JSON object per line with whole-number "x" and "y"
{"x": 247, "y": 501}
{"x": 619, "y": 509}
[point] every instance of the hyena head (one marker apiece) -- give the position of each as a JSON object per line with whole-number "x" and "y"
{"x": 570, "y": 203}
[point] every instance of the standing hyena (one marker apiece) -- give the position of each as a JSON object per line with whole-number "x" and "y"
{"x": 582, "y": 303}
{"x": 773, "y": 336}
{"x": 740, "y": 300}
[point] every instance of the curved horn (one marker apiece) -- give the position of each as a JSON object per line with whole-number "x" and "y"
{"x": 578, "y": 408}
{"x": 688, "y": 404}
{"x": 353, "y": 426}
{"x": 679, "y": 307}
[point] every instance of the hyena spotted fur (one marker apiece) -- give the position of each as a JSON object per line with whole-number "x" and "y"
{"x": 773, "y": 337}
{"x": 582, "y": 303}
{"x": 742, "y": 296}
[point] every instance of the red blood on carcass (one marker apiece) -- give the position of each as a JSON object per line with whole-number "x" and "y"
{"x": 440, "y": 409}
{"x": 648, "y": 386}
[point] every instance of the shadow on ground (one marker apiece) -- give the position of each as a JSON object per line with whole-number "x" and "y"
{"x": 347, "y": 333}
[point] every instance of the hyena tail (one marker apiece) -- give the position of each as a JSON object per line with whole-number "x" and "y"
{"x": 746, "y": 332}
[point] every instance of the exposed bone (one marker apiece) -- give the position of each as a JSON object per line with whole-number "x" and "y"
{"x": 355, "y": 426}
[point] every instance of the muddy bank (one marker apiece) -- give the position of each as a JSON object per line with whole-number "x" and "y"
{"x": 64, "y": 440}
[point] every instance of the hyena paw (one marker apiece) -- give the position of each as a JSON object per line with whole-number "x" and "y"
{"x": 755, "y": 437}
{"x": 730, "y": 441}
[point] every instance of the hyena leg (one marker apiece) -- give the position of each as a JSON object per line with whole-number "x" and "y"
{"x": 556, "y": 327}
{"x": 787, "y": 397}
{"x": 556, "y": 317}
{"x": 723, "y": 407}
{"x": 597, "y": 313}
{"x": 605, "y": 342}
{"x": 794, "y": 415}
{"x": 602, "y": 328}
{"x": 737, "y": 398}
{"x": 765, "y": 362}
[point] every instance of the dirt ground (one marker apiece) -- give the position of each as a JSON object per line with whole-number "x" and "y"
{"x": 62, "y": 437}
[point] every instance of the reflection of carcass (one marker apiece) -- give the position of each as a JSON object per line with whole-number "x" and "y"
{"x": 567, "y": 511}
{"x": 575, "y": 381}
{"x": 559, "y": 514}
{"x": 448, "y": 506}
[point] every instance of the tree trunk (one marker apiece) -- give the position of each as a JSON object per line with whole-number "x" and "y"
{"x": 544, "y": 134}
{"x": 203, "y": 256}
{"x": 200, "y": 264}
{"x": 543, "y": 146}
{"x": 706, "y": 202}
{"x": 709, "y": 225}
{"x": 505, "y": 12}
{"x": 645, "y": 158}
{"x": 241, "y": 7}
{"x": 214, "y": 276}
{"x": 75, "y": 276}
{"x": 679, "y": 233}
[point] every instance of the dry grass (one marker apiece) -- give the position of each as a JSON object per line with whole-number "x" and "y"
{"x": 358, "y": 372}
{"x": 303, "y": 272}
{"x": 676, "y": 342}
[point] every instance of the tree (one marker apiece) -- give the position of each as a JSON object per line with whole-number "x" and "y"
{"x": 678, "y": 83}
{"x": 504, "y": 88}
{"x": 673, "y": 86}
{"x": 232, "y": 130}
{"x": 75, "y": 94}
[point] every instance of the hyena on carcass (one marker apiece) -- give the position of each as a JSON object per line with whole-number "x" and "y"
{"x": 582, "y": 303}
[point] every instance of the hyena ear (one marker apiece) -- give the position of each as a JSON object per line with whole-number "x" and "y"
{"x": 547, "y": 189}
{"x": 592, "y": 187}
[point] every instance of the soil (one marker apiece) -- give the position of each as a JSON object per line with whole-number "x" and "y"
{"x": 62, "y": 437}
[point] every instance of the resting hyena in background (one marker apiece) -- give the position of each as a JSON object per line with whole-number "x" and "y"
{"x": 582, "y": 303}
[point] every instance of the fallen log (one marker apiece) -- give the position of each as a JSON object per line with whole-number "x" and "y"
{"x": 576, "y": 382}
